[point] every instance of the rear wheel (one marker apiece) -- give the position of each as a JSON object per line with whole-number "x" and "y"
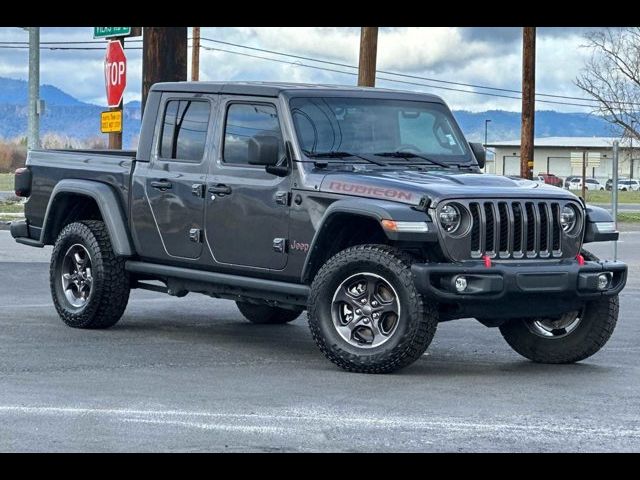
{"x": 89, "y": 284}
{"x": 265, "y": 314}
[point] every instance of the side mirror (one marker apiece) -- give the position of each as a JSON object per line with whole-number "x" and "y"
{"x": 263, "y": 150}
{"x": 480, "y": 153}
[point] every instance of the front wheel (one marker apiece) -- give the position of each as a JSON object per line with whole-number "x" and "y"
{"x": 568, "y": 339}
{"x": 365, "y": 313}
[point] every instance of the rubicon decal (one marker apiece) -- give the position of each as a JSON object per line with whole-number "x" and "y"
{"x": 368, "y": 190}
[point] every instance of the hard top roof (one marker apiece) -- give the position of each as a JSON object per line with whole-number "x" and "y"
{"x": 273, "y": 89}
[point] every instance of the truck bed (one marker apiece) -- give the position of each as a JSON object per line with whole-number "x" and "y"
{"x": 48, "y": 167}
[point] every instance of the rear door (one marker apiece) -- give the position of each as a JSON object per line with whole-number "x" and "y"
{"x": 247, "y": 219}
{"x": 176, "y": 177}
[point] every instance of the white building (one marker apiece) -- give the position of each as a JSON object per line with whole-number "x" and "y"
{"x": 553, "y": 155}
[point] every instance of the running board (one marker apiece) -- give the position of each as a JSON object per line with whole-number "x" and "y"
{"x": 221, "y": 279}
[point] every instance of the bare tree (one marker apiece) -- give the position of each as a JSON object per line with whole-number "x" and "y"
{"x": 612, "y": 76}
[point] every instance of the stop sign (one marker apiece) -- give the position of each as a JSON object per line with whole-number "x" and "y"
{"x": 115, "y": 72}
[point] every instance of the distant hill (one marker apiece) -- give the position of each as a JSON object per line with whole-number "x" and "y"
{"x": 64, "y": 114}
{"x": 548, "y": 123}
{"x": 69, "y": 116}
{"x": 15, "y": 92}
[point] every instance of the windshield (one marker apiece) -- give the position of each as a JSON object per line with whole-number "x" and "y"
{"x": 375, "y": 126}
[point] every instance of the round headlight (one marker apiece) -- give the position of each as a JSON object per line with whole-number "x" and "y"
{"x": 450, "y": 218}
{"x": 568, "y": 218}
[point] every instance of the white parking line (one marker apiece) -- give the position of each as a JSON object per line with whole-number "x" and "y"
{"x": 301, "y": 421}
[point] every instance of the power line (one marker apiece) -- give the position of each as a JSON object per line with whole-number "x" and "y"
{"x": 68, "y": 42}
{"x": 301, "y": 57}
{"x": 20, "y": 47}
{"x": 387, "y": 72}
{"x": 387, "y": 78}
{"x": 52, "y": 45}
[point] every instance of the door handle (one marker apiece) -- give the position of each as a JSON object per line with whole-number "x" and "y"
{"x": 220, "y": 190}
{"x": 162, "y": 184}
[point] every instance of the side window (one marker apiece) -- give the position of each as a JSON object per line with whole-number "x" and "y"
{"x": 184, "y": 130}
{"x": 245, "y": 121}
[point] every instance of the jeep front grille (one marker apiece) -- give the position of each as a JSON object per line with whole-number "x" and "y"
{"x": 513, "y": 229}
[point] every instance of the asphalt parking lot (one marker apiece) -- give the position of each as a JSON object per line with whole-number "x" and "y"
{"x": 191, "y": 374}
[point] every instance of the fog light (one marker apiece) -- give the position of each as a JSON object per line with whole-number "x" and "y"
{"x": 461, "y": 284}
{"x": 603, "y": 281}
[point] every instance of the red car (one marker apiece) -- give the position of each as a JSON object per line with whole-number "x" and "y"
{"x": 551, "y": 179}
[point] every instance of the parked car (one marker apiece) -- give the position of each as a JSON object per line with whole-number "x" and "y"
{"x": 628, "y": 185}
{"x": 590, "y": 184}
{"x": 609, "y": 183}
{"x": 551, "y": 179}
{"x": 569, "y": 180}
{"x": 365, "y": 207}
{"x": 573, "y": 183}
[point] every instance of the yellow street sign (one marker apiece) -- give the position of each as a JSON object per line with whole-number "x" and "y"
{"x": 530, "y": 164}
{"x": 111, "y": 121}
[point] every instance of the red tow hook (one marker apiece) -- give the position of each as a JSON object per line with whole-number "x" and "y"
{"x": 487, "y": 261}
{"x": 580, "y": 259}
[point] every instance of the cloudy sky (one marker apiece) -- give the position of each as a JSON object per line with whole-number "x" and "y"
{"x": 479, "y": 56}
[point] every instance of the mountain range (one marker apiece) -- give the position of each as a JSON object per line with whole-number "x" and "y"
{"x": 68, "y": 116}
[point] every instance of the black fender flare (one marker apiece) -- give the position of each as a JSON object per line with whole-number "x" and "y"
{"x": 596, "y": 216}
{"x": 368, "y": 208}
{"x": 110, "y": 209}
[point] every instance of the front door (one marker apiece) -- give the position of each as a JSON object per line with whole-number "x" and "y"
{"x": 176, "y": 178}
{"x": 247, "y": 218}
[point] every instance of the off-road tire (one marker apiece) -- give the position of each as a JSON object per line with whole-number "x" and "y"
{"x": 265, "y": 314}
{"x": 110, "y": 288}
{"x": 416, "y": 325}
{"x": 597, "y": 322}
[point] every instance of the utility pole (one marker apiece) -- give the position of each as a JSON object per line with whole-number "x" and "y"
{"x": 528, "y": 101}
{"x": 614, "y": 195}
{"x": 164, "y": 56}
{"x": 33, "y": 130}
{"x": 486, "y": 123}
{"x": 195, "y": 55}
{"x": 368, "y": 53}
{"x": 631, "y": 135}
{"x": 584, "y": 175}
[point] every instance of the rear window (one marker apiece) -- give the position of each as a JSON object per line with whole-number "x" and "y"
{"x": 184, "y": 130}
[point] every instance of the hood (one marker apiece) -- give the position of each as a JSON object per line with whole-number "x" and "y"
{"x": 410, "y": 186}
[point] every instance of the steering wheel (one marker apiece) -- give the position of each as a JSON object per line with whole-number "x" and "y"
{"x": 408, "y": 146}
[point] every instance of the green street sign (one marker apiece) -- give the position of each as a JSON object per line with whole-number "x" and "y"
{"x": 108, "y": 32}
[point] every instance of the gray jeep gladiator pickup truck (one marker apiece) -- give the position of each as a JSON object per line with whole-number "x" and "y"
{"x": 366, "y": 207}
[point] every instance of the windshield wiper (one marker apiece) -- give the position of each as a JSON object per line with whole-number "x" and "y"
{"x": 339, "y": 154}
{"x": 408, "y": 155}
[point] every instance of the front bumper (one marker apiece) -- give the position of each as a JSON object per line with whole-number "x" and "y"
{"x": 507, "y": 289}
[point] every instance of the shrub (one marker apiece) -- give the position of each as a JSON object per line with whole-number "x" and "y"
{"x": 12, "y": 156}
